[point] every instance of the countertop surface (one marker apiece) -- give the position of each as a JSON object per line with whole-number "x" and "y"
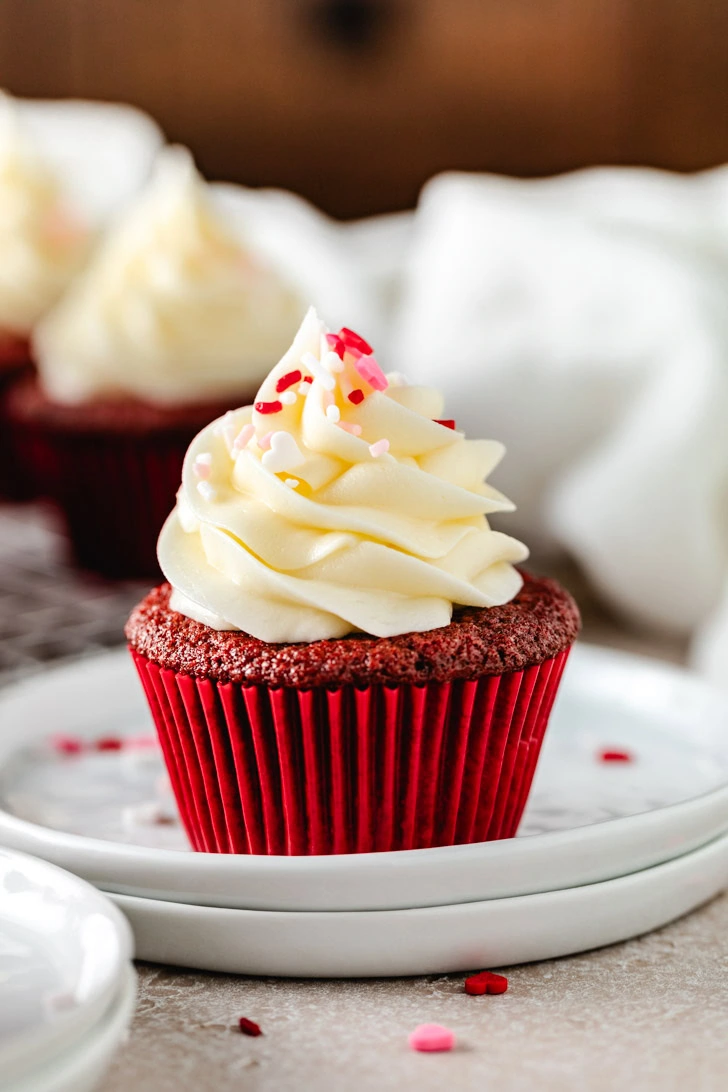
{"x": 648, "y": 1014}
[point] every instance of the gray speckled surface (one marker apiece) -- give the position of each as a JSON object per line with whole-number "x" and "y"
{"x": 649, "y": 1014}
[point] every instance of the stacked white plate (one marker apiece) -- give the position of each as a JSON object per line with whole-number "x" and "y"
{"x": 67, "y": 986}
{"x": 607, "y": 850}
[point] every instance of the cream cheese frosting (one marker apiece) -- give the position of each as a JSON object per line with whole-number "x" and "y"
{"x": 337, "y": 503}
{"x": 173, "y": 308}
{"x": 42, "y": 240}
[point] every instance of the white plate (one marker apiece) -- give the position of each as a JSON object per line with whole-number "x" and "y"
{"x": 64, "y": 949}
{"x": 588, "y": 821}
{"x": 81, "y": 1068}
{"x": 432, "y": 940}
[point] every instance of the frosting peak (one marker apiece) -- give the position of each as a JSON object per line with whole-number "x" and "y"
{"x": 337, "y": 503}
{"x": 173, "y": 308}
{"x": 42, "y": 242}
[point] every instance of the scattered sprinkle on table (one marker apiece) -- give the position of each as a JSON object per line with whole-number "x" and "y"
{"x": 485, "y": 982}
{"x": 249, "y": 1027}
{"x": 431, "y": 1037}
{"x": 615, "y": 755}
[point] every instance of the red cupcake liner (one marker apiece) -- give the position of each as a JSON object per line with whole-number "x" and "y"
{"x": 286, "y": 771}
{"x": 114, "y": 492}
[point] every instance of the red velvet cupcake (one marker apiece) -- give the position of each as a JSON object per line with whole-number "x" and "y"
{"x": 171, "y": 323}
{"x": 345, "y": 658}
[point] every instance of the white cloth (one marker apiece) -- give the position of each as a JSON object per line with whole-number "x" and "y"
{"x": 583, "y": 321}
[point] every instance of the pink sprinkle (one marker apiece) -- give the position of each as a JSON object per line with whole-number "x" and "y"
{"x": 141, "y": 743}
{"x": 202, "y": 465}
{"x": 369, "y": 370}
{"x": 431, "y": 1037}
{"x": 264, "y": 441}
{"x": 380, "y": 448}
{"x": 243, "y": 438}
{"x": 328, "y": 399}
{"x": 66, "y": 745}
{"x": 268, "y": 407}
{"x": 615, "y": 756}
{"x": 355, "y": 430}
{"x": 334, "y": 342}
{"x": 288, "y": 380}
{"x": 356, "y": 396}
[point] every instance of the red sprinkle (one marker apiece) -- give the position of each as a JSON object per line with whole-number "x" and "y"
{"x": 334, "y": 342}
{"x": 308, "y": 379}
{"x": 356, "y": 396}
{"x": 249, "y": 1027}
{"x": 67, "y": 745}
{"x": 288, "y": 380}
{"x": 268, "y": 407}
{"x": 352, "y": 340}
{"x": 615, "y": 756}
{"x": 486, "y": 982}
{"x": 447, "y": 424}
{"x": 109, "y": 743}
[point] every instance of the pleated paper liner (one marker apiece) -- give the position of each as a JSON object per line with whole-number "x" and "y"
{"x": 319, "y": 771}
{"x": 113, "y": 490}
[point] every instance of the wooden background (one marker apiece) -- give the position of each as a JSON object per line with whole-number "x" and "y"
{"x": 355, "y": 103}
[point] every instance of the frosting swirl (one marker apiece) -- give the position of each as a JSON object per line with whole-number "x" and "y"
{"x": 42, "y": 242}
{"x": 172, "y": 309}
{"x": 337, "y": 503}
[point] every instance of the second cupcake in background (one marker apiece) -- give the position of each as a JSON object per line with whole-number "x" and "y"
{"x": 173, "y": 321}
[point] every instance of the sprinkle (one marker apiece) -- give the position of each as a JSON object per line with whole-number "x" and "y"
{"x": 446, "y": 424}
{"x": 206, "y": 490}
{"x": 307, "y": 379}
{"x": 335, "y": 343}
{"x": 288, "y": 398}
{"x": 264, "y": 441}
{"x": 249, "y": 1027}
{"x": 396, "y": 379}
{"x": 243, "y": 438}
{"x": 66, "y": 745}
{"x": 109, "y": 743}
{"x": 369, "y": 370}
{"x": 226, "y": 426}
{"x": 380, "y": 448}
{"x": 333, "y": 362}
{"x": 268, "y": 407}
{"x": 292, "y": 483}
{"x": 615, "y": 756}
{"x": 150, "y": 813}
{"x": 355, "y": 430}
{"x": 284, "y": 453}
{"x": 333, "y": 413}
{"x": 485, "y": 982}
{"x": 202, "y": 465}
{"x": 304, "y": 389}
{"x": 328, "y": 399}
{"x": 356, "y": 396}
{"x": 315, "y": 366}
{"x": 141, "y": 743}
{"x": 353, "y": 340}
{"x": 288, "y": 380}
{"x": 431, "y": 1037}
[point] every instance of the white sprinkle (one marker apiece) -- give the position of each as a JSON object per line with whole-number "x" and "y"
{"x": 293, "y": 483}
{"x": 283, "y": 454}
{"x": 304, "y": 388}
{"x": 318, "y": 371}
{"x": 202, "y": 465}
{"x": 355, "y": 430}
{"x": 287, "y": 398}
{"x": 243, "y": 438}
{"x": 206, "y": 490}
{"x": 333, "y": 362}
{"x": 380, "y": 448}
{"x": 333, "y": 413}
{"x": 396, "y": 379}
{"x": 226, "y": 426}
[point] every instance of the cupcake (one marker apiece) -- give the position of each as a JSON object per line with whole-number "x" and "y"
{"x": 52, "y": 201}
{"x": 345, "y": 657}
{"x": 172, "y": 322}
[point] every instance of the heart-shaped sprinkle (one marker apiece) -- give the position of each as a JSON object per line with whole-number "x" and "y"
{"x": 485, "y": 982}
{"x": 283, "y": 454}
{"x": 432, "y": 1037}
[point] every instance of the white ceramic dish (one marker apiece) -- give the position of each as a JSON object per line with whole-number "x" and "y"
{"x": 64, "y": 950}
{"x": 81, "y": 1068}
{"x": 588, "y": 821}
{"x": 431, "y": 940}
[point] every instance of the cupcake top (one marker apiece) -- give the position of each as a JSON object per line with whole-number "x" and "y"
{"x": 338, "y": 503}
{"x": 172, "y": 309}
{"x": 42, "y": 239}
